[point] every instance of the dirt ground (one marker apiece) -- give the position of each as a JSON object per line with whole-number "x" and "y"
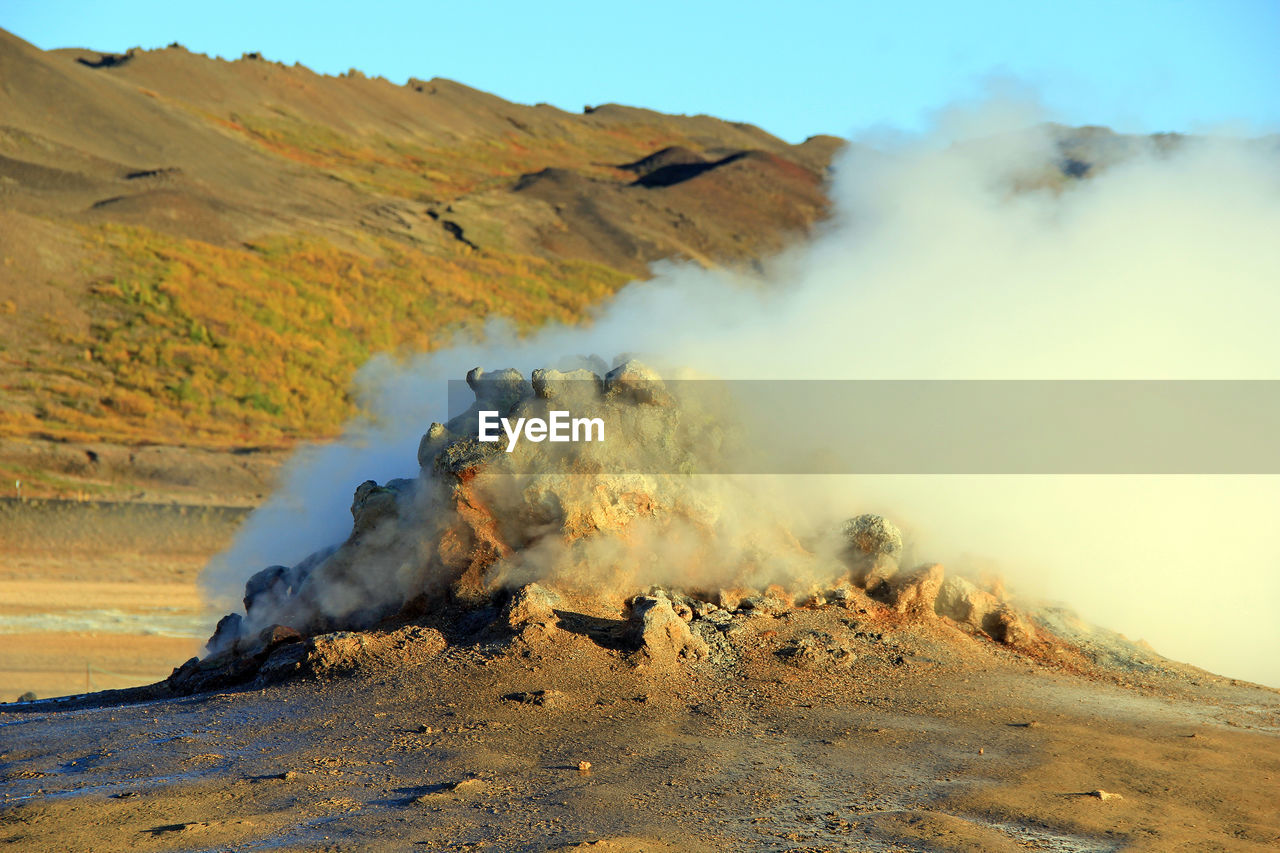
{"x": 929, "y": 740}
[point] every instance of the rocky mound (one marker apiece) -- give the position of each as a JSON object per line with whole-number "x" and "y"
{"x": 508, "y": 542}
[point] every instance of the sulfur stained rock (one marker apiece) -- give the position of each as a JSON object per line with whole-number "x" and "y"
{"x": 531, "y": 604}
{"x": 916, "y": 592}
{"x": 976, "y": 608}
{"x": 662, "y": 635}
{"x": 964, "y": 602}
{"x": 1006, "y": 625}
{"x": 730, "y": 599}
{"x": 439, "y": 546}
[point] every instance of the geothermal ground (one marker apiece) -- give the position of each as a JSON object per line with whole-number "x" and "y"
{"x": 894, "y": 708}
{"x": 915, "y": 736}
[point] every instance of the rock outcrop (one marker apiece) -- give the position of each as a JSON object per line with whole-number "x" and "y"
{"x": 874, "y": 545}
{"x": 663, "y": 637}
{"x": 964, "y": 602}
{"x": 530, "y": 612}
{"x": 916, "y": 593}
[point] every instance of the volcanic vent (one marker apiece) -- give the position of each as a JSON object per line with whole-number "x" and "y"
{"x": 622, "y": 541}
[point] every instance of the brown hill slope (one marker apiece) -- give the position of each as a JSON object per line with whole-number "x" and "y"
{"x": 201, "y": 252}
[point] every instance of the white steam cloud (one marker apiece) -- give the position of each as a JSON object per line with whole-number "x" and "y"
{"x": 952, "y": 257}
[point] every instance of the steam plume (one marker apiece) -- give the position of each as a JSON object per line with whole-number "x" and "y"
{"x": 962, "y": 255}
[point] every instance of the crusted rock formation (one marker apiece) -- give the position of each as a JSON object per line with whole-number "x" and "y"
{"x": 964, "y": 602}
{"x": 532, "y": 604}
{"x": 916, "y": 592}
{"x": 548, "y": 544}
{"x": 874, "y": 546}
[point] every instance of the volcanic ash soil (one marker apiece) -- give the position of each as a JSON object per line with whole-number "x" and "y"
{"x": 820, "y": 728}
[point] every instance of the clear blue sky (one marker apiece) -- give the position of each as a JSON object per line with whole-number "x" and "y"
{"x": 794, "y": 67}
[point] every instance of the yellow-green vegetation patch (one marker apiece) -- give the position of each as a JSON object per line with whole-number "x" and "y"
{"x": 202, "y": 344}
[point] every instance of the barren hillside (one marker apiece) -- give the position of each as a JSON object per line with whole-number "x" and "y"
{"x": 201, "y": 252}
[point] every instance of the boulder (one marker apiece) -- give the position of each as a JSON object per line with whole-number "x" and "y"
{"x": 702, "y": 609}
{"x": 433, "y": 441}
{"x": 337, "y": 651}
{"x": 463, "y": 455}
{"x": 730, "y": 599}
{"x": 221, "y": 669}
{"x": 345, "y": 651}
{"x": 226, "y": 632}
{"x": 976, "y": 608}
{"x": 916, "y": 593}
{"x": 684, "y": 606}
{"x": 266, "y": 641}
{"x": 841, "y": 596}
{"x": 873, "y": 546}
{"x": 873, "y": 535}
{"x": 264, "y": 582}
{"x": 773, "y": 603}
{"x": 964, "y": 602}
{"x": 535, "y": 697}
{"x": 499, "y": 390}
{"x": 662, "y": 635}
{"x": 371, "y": 505}
{"x": 1006, "y": 625}
{"x": 636, "y": 382}
{"x": 284, "y": 661}
{"x": 571, "y": 386}
{"x": 531, "y": 604}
